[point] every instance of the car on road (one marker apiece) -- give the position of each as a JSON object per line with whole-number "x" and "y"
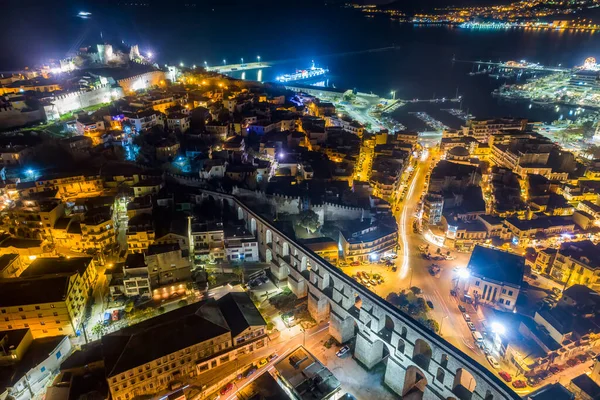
{"x": 471, "y": 326}
{"x": 450, "y": 258}
{"x": 272, "y": 356}
{"x": 373, "y": 282}
{"x": 355, "y": 263}
{"x": 226, "y": 389}
{"x": 342, "y": 351}
{"x": 430, "y": 304}
{"x": 466, "y": 317}
{"x": 462, "y": 308}
{"x": 262, "y": 363}
{"x": 493, "y": 362}
{"x": 505, "y": 375}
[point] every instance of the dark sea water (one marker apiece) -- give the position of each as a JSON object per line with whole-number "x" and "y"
{"x": 294, "y": 34}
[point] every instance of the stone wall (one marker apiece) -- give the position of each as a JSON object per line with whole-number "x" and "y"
{"x": 65, "y": 103}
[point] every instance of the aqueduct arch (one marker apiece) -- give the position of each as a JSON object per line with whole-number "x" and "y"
{"x": 419, "y": 364}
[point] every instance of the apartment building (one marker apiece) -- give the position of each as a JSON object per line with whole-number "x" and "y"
{"x": 140, "y": 233}
{"x": 482, "y": 129}
{"x": 49, "y": 297}
{"x": 68, "y": 187}
{"x": 241, "y": 245}
{"x": 165, "y": 351}
{"x": 208, "y": 241}
{"x": 363, "y": 242}
{"x": 577, "y": 263}
{"x": 34, "y": 219}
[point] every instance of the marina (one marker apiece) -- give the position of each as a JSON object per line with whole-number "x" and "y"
{"x": 429, "y": 121}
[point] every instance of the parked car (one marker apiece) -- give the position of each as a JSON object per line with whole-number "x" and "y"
{"x": 262, "y": 363}
{"x": 373, "y": 282}
{"x": 471, "y": 326}
{"x": 462, "y": 308}
{"x": 572, "y": 362}
{"x": 272, "y": 356}
{"x": 115, "y": 315}
{"x": 531, "y": 381}
{"x": 226, "y": 388}
{"x": 581, "y": 357}
{"x": 343, "y": 350}
{"x": 505, "y": 375}
{"x": 355, "y": 263}
{"x": 250, "y": 371}
{"x": 519, "y": 384}
{"x": 493, "y": 362}
{"x": 466, "y": 317}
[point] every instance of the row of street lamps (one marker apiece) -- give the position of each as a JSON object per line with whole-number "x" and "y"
{"x": 181, "y": 64}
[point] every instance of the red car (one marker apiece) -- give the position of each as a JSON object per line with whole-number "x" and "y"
{"x": 226, "y": 388}
{"x": 519, "y": 384}
{"x": 355, "y": 263}
{"x": 505, "y": 375}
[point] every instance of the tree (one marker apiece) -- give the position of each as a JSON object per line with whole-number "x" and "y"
{"x": 416, "y": 290}
{"x": 182, "y": 303}
{"x": 431, "y": 324}
{"x": 128, "y": 306}
{"x": 212, "y": 280}
{"x": 448, "y": 253}
{"x": 310, "y": 220}
{"x": 99, "y": 329}
{"x": 438, "y": 251}
{"x": 239, "y": 273}
{"x": 161, "y": 310}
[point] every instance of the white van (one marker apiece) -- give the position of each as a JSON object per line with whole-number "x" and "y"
{"x": 477, "y": 336}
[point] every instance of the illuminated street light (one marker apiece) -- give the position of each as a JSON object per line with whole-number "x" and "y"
{"x": 224, "y": 61}
{"x": 463, "y": 273}
{"x": 242, "y": 60}
{"x": 181, "y": 64}
{"x": 258, "y": 58}
{"x": 194, "y": 66}
{"x": 205, "y": 64}
{"x": 150, "y": 54}
{"x": 498, "y": 328}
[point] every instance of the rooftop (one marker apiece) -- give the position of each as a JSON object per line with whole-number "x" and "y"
{"x": 496, "y": 265}
{"x": 172, "y": 331}
{"x": 38, "y": 290}
{"x": 55, "y": 265}
{"x": 309, "y": 378}
{"x": 585, "y": 251}
{"x": 239, "y": 312}
{"x": 587, "y": 385}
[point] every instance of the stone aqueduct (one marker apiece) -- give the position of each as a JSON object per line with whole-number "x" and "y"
{"x": 419, "y": 364}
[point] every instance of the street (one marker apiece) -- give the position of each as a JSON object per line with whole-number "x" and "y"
{"x": 413, "y": 270}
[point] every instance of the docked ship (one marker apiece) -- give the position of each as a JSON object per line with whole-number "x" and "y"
{"x": 301, "y": 75}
